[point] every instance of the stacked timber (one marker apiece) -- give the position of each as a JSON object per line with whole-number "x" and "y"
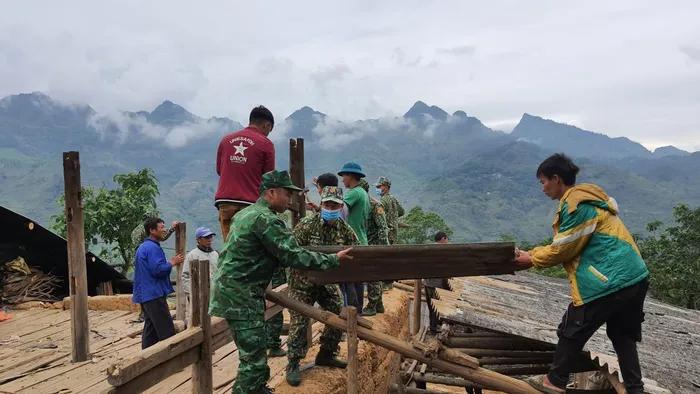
{"x": 21, "y": 283}
{"x": 394, "y": 262}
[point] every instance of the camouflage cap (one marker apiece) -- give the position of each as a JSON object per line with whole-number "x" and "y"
{"x": 150, "y": 213}
{"x": 363, "y": 184}
{"x": 275, "y": 179}
{"x": 332, "y": 193}
{"x": 383, "y": 181}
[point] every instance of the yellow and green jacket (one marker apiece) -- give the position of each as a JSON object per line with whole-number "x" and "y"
{"x": 593, "y": 244}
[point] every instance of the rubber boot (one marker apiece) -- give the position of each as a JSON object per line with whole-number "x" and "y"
{"x": 369, "y": 311}
{"x": 380, "y": 307}
{"x": 277, "y": 352}
{"x": 328, "y": 359}
{"x": 293, "y": 374}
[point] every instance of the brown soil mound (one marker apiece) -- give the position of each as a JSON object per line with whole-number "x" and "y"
{"x": 377, "y": 365}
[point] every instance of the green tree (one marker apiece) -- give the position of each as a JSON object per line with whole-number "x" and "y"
{"x": 111, "y": 215}
{"x": 422, "y": 227}
{"x": 673, "y": 257}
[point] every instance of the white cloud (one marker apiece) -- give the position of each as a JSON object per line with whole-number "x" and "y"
{"x": 621, "y": 68}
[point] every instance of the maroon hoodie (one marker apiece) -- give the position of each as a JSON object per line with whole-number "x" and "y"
{"x": 241, "y": 160}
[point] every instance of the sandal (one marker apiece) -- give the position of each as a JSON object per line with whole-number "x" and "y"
{"x": 537, "y": 382}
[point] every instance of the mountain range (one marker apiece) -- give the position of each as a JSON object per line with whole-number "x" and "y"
{"x": 481, "y": 181}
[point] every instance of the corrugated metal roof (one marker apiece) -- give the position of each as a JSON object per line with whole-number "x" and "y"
{"x": 531, "y": 306}
{"x": 49, "y": 252}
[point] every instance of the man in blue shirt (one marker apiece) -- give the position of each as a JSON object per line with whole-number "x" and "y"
{"x": 152, "y": 284}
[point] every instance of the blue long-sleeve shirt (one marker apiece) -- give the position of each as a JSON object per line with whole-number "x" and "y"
{"x": 151, "y": 273}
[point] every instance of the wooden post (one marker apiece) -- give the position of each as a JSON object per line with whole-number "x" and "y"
{"x": 296, "y": 172}
{"x": 180, "y": 248}
{"x": 352, "y": 351}
{"x": 77, "y": 269}
{"x": 417, "y": 304}
{"x": 202, "y": 374}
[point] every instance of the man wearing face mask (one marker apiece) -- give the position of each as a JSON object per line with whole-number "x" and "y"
{"x": 323, "y": 228}
{"x": 259, "y": 243}
{"x": 377, "y": 234}
{"x": 393, "y": 210}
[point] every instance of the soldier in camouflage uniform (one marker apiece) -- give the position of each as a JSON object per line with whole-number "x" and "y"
{"x": 259, "y": 242}
{"x": 377, "y": 234}
{"x": 273, "y": 326}
{"x": 323, "y": 228}
{"x": 393, "y": 210}
{"x": 138, "y": 235}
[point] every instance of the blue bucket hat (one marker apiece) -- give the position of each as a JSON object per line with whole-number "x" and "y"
{"x": 351, "y": 168}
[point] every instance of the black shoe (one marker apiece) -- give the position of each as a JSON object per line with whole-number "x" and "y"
{"x": 328, "y": 359}
{"x": 267, "y": 390}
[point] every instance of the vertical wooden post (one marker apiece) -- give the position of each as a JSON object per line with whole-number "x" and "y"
{"x": 417, "y": 305}
{"x": 77, "y": 266}
{"x": 202, "y": 373}
{"x": 296, "y": 172}
{"x": 195, "y": 294}
{"x": 180, "y": 248}
{"x": 352, "y": 351}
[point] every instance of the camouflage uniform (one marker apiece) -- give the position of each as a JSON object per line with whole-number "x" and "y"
{"x": 259, "y": 243}
{"x": 377, "y": 234}
{"x": 394, "y": 211}
{"x": 138, "y": 235}
{"x": 273, "y": 326}
{"x": 314, "y": 231}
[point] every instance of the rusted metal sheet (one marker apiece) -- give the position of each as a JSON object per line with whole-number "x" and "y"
{"x": 393, "y": 262}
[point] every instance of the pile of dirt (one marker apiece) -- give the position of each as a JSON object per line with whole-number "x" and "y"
{"x": 377, "y": 366}
{"x": 119, "y": 302}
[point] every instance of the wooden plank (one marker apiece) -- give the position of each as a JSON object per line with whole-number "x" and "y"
{"x": 77, "y": 266}
{"x": 480, "y": 375}
{"x": 180, "y": 248}
{"x": 352, "y": 369}
{"x": 155, "y": 375}
{"x": 388, "y": 262}
{"x": 155, "y": 356}
{"x": 442, "y": 379}
{"x": 202, "y": 378}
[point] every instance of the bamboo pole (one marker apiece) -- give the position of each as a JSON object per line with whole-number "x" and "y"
{"x": 480, "y": 375}
{"x": 180, "y": 248}
{"x": 416, "y": 306}
{"x": 353, "y": 378}
{"x": 77, "y": 266}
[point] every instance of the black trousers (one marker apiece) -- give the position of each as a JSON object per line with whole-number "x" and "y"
{"x": 623, "y": 313}
{"x": 355, "y": 293}
{"x": 429, "y": 295}
{"x": 158, "y": 324}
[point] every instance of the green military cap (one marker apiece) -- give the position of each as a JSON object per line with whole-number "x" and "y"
{"x": 332, "y": 193}
{"x": 275, "y": 179}
{"x": 383, "y": 181}
{"x": 363, "y": 184}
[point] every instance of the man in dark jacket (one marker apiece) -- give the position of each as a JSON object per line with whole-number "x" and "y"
{"x": 152, "y": 284}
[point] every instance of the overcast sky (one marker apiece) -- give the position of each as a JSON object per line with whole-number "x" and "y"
{"x": 623, "y": 68}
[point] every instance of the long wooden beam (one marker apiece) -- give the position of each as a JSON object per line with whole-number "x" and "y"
{"x": 77, "y": 268}
{"x": 388, "y": 262}
{"x": 479, "y": 375}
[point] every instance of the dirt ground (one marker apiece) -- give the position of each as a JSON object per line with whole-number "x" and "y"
{"x": 377, "y": 366}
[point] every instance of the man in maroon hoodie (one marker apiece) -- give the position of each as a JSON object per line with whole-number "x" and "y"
{"x": 241, "y": 160}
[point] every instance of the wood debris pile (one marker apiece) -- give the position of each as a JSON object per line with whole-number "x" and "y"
{"x": 22, "y": 283}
